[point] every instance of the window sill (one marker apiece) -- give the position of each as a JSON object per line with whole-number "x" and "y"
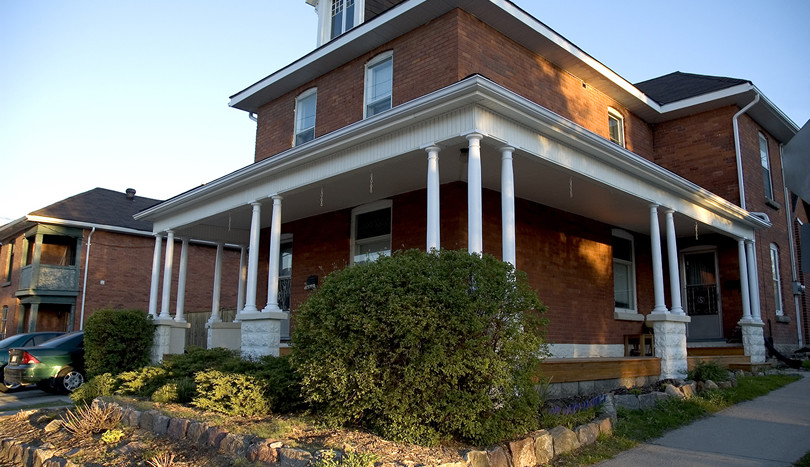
{"x": 627, "y": 316}
{"x": 782, "y": 319}
{"x": 5, "y": 284}
{"x": 772, "y": 203}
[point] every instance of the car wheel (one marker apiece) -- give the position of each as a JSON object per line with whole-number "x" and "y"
{"x": 68, "y": 381}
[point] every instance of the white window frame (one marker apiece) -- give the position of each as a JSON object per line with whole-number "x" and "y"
{"x": 386, "y": 57}
{"x": 632, "y": 312}
{"x": 765, "y": 160}
{"x": 299, "y": 129}
{"x": 776, "y": 280}
{"x": 324, "y": 10}
{"x": 371, "y": 207}
{"x": 614, "y": 114}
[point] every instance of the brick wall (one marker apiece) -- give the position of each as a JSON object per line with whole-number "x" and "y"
{"x": 438, "y": 54}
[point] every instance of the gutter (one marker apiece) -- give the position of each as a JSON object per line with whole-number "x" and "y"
{"x": 738, "y": 151}
{"x": 84, "y": 286}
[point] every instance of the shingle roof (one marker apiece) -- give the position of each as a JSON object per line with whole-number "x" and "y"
{"x": 678, "y": 86}
{"x": 101, "y": 206}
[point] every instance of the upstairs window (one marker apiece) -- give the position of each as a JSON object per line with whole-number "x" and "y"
{"x": 9, "y": 263}
{"x": 776, "y": 280}
{"x": 371, "y": 232}
{"x": 58, "y": 251}
{"x": 305, "y": 107}
{"x": 616, "y": 127}
{"x": 379, "y": 83}
{"x": 766, "y": 166}
{"x": 624, "y": 272}
{"x": 342, "y": 14}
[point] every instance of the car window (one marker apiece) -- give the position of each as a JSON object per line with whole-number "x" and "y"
{"x": 42, "y": 338}
{"x": 67, "y": 338}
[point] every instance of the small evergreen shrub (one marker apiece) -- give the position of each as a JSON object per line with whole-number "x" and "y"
{"x": 101, "y": 385}
{"x": 116, "y": 341}
{"x": 806, "y": 364}
{"x": 705, "y": 371}
{"x": 179, "y": 390}
{"x": 142, "y": 382}
{"x": 231, "y": 393}
{"x": 422, "y": 347}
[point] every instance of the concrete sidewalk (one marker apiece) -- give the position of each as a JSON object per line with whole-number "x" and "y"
{"x": 770, "y": 430}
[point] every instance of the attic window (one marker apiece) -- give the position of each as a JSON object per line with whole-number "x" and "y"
{"x": 616, "y": 127}
{"x": 342, "y": 14}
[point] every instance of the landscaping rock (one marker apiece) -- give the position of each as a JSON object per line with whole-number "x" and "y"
{"x": 650, "y": 400}
{"x": 497, "y": 457}
{"x": 196, "y": 432}
{"x": 477, "y": 459}
{"x": 672, "y": 391}
{"x": 725, "y": 385}
{"x": 709, "y": 384}
{"x": 214, "y": 436}
{"x": 605, "y": 425}
{"x": 608, "y": 407}
{"x": 234, "y": 445}
{"x": 292, "y": 457}
{"x": 177, "y": 428}
{"x": 523, "y": 453}
{"x": 54, "y": 425}
{"x": 160, "y": 424}
{"x": 565, "y": 440}
{"x": 628, "y": 401}
{"x": 587, "y": 434}
{"x": 543, "y": 446}
{"x": 134, "y": 418}
{"x": 689, "y": 390}
{"x": 262, "y": 452}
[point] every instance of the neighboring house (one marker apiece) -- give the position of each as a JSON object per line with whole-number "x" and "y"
{"x": 65, "y": 261}
{"x": 472, "y": 125}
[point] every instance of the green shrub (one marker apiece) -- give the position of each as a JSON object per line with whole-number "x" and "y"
{"x": 101, "y": 385}
{"x": 424, "y": 346}
{"x": 231, "y": 393}
{"x": 705, "y": 371}
{"x": 806, "y": 364}
{"x": 117, "y": 340}
{"x": 180, "y": 390}
{"x": 143, "y": 381}
{"x": 196, "y": 359}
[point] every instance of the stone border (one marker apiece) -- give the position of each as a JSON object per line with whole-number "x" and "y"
{"x": 29, "y": 455}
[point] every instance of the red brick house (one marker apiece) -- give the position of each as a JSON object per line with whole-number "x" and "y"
{"x": 84, "y": 253}
{"x": 472, "y": 125}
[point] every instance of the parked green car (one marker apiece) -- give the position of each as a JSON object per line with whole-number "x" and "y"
{"x": 57, "y": 365}
{"x": 20, "y": 340}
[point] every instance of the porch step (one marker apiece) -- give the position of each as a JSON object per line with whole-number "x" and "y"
{"x": 722, "y": 360}
{"x": 715, "y": 350}
{"x": 564, "y": 370}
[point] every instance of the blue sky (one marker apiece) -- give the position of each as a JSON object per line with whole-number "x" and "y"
{"x": 119, "y": 94}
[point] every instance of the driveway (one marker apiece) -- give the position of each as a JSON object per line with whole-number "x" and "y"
{"x": 30, "y": 397}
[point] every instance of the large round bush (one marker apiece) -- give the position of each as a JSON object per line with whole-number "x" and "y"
{"x": 117, "y": 340}
{"x": 424, "y": 346}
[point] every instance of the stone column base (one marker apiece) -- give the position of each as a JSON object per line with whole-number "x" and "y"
{"x": 670, "y": 343}
{"x": 261, "y": 333}
{"x": 753, "y": 339}
{"x": 178, "y": 337}
{"x": 224, "y": 335}
{"x": 170, "y": 338}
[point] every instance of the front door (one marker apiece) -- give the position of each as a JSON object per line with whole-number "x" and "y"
{"x": 701, "y": 290}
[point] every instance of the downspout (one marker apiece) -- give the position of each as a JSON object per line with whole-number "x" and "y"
{"x": 737, "y": 149}
{"x": 84, "y": 286}
{"x": 253, "y": 117}
{"x": 793, "y": 266}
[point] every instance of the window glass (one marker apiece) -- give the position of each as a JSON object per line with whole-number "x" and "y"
{"x": 624, "y": 285}
{"x": 379, "y": 82}
{"x": 9, "y": 263}
{"x": 616, "y": 127}
{"x": 57, "y": 251}
{"x": 776, "y": 280}
{"x": 766, "y": 166}
{"x": 372, "y": 235}
{"x": 305, "y": 117}
{"x": 342, "y": 16}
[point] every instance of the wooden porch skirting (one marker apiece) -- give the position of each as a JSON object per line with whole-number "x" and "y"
{"x": 582, "y": 376}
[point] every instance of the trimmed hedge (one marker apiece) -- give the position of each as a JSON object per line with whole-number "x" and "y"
{"x": 422, "y": 347}
{"x": 116, "y": 341}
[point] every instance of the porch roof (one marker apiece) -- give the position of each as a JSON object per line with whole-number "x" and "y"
{"x": 557, "y": 163}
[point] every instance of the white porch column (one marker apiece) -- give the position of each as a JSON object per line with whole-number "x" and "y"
{"x": 433, "y": 187}
{"x": 744, "y": 290}
{"x": 753, "y": 336}
{"x": 753, "y": 280}
{"x": 215, "y": 315}
{"x": 672, "y": 258}
{"x": 253, "y": 259}
{"x": 179, "y": 314}
{"x": 475, "y": 233}
{"x": 508, "y": 206}
{"x": 167, "y": 276}
{"x": 275, "y": 249}
{"x": 153, "y": 289}
{"x": 657, "y": 262}
{"x": 240, "y": 294}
